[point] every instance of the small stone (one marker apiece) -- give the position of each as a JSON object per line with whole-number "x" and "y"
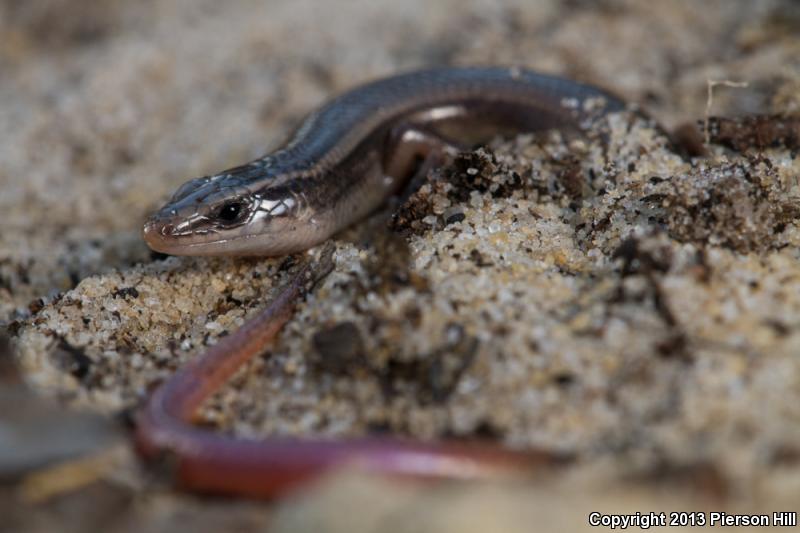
{"x": 339, "y": 348}
{"x": 453, "y": 215}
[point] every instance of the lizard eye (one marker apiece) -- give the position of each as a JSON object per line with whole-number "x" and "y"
{"x": 230, "y": 211}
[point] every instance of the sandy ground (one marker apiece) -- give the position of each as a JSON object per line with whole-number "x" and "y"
{"x": 606, "y": 298}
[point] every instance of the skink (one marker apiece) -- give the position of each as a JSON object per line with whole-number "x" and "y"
{"x": 356, "y": 151}
{"x": 343, "y": 162}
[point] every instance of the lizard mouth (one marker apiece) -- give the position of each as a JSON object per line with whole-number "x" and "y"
{"x": 159, "y": 236}
{"x": 168, "y": 238}
{"x": 167, "y": 233}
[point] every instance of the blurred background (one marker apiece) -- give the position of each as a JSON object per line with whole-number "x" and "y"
{"x": 107, "y": 105}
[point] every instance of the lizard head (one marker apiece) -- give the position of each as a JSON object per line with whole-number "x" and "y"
{"x": 226, "y": 214}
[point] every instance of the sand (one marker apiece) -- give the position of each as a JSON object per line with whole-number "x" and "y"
{"x": 608, "y": 297}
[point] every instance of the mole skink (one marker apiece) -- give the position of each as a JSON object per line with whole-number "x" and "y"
{"x": 347, "y": 158}
{"x": 342, "y": 163}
